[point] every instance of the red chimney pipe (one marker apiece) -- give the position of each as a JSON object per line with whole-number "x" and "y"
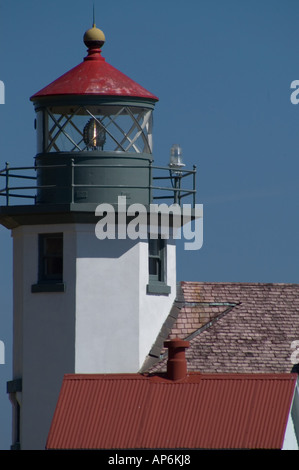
{"x": 176, "y": 364}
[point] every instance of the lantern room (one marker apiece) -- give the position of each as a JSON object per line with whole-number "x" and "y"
{"x": 94, "y": 144}
{"x": 94, "y": 133}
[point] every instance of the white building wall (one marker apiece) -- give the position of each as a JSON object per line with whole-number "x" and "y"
{"x": 43, "y": 334}
{"x": 107, "y": 323}
{"x": 114, "y": 313}
{"x": 291, "y": 438}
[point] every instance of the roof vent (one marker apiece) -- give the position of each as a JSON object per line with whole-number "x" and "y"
{"x": 176, "y": 364}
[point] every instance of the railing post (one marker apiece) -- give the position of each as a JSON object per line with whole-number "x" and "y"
{"x": 176, "y": 185}
{"x": 177, "y": 188}
{"x": 7, "y": 183}
{"x": 72, "y": 181}
{"x": 150, "y": 181}
{"x": 194, "y": 185}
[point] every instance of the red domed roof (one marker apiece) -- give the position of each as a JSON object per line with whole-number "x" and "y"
{"x": 94, "y": 76}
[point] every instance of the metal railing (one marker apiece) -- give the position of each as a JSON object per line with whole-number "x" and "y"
{"x": 174, "y": 190}
{"x": 176, "y": 180}
{"x": 9, "y": 191}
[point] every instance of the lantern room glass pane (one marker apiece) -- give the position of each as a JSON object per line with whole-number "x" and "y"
{"x": 89, "y": 128}
{"x": 40, "y": 131}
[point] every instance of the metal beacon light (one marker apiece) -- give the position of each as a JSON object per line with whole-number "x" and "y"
{"x": 176, "y": 165}
{"x": 176, "y": 159}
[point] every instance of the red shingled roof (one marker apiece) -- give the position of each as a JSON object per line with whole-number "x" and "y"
{"x": 132, "y": 411}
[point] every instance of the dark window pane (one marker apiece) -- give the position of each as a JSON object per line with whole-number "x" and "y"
{"x": 156, "y": 262}
{"x": 53, "y": 267}
{"x": 153, "y": 267}
{"x": 53, "y": 246}
{"x": 154, "y": 247}
{"x": 51, "y": 257}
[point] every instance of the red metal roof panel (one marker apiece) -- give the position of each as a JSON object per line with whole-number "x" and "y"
{"x": 94, "y": 76}
{"x": 207, "y": 411}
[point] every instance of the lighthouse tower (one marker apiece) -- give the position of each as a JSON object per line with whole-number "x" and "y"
{"x": 88, "y": 298}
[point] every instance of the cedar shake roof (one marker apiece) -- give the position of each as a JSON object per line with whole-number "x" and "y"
{"x": 232, "y": 327}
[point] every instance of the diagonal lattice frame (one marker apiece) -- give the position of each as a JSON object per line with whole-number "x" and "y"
{"x": 140, "y": 130}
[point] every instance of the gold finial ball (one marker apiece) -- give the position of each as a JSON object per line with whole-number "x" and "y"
{"x": 94, "y": 37}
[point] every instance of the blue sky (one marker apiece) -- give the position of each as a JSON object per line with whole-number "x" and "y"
{"x": 222, "y": 70}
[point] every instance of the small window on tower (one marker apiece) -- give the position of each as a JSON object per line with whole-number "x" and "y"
{"x": 156, "y": 250}
{"x": 50, "y": 263}
{"x": 157, "y": 267}
{"x": 50, "y": 257}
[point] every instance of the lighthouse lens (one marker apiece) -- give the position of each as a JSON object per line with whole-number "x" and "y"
{"x": 94, "y": 135}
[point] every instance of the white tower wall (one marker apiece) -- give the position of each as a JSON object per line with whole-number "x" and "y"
{"x": 104, "y": 321}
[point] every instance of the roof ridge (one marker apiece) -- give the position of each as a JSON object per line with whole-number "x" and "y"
{"x": 190, "y": 374}
{"x": 240, "y": 283}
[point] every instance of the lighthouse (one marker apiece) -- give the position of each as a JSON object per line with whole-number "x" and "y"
{"x": 87, "y": 297}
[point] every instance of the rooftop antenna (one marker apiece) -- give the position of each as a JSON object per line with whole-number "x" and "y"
{"x": 94, "y": 37}
{"x": 93, "y": 16}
